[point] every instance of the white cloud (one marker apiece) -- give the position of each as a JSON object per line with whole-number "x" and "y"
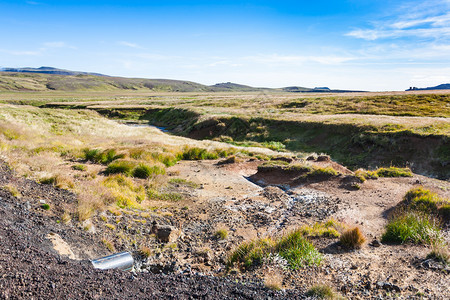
{"x": 21, "y": 53}
{"x": 128, "y": 44}
{"x": 58, "y": 44}
{"x": 299, "y": 59}
{"x": 429, "y": 19}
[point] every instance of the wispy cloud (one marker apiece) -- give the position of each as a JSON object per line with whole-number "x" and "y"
{"x": 299, "y": 59}
{"x": 20, "y": 53}
{"x": 128, "y": 44}
{"x": 430, "y": 19}
{"x": 57, "y": 44}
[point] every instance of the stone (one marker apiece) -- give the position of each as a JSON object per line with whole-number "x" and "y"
{"x": 375, "y": 243}
{"x": 323, "y": 158}
{"x": 165, "y": 233}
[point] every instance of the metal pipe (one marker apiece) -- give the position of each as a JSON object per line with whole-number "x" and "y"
{"x": 121, "y": 261}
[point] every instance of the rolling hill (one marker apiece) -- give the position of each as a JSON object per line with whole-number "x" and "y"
{"x": 48, "y": 79}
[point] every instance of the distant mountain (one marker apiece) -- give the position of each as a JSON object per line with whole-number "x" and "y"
{"x": 299, "y": 89}
{"x": 48, "y": 78}
{"x": 445, "y": 86}
{"x": 48, "y": 70}
{"x": 232, "y": 87}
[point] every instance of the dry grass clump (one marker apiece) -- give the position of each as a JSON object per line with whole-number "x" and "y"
{"x": 221, "y": 234}
{"x": 330, "y": 229}
{"x": 321, "y": 291}
{"x": 60, "y": 181}
{"x": 440, "y": 251}
{"x": 109, "y": 245}
{"x": 274, "y": 281}
{"x": 126, "y": 193}
{"x": 12, "y": 189}
{"x": 352, "y": 238}
{"x": 145, "y": 251}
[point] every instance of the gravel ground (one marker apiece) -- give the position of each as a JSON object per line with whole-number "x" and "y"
{"x": 30, "y": 269}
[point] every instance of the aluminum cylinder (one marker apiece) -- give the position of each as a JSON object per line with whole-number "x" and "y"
{"x": 121, "y": 261}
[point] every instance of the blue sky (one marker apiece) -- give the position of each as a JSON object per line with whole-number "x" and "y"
{"x": 352, "y": 44}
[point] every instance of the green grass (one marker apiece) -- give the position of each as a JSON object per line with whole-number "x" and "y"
{"x": 121, "y": 167}
{"x": 196, "y": 153}
{"x": 293, "y": 247}
{"x": 329, "y": 229}
{"x": 298, "y": 251}
{"x": 144, "y": 171}
{"x": 79, "y": 167}
{"x": 394, "y": 172}
{"x": 251, "y": 254}
{"x": 164, "y": 196}
{"x": 322, "y": 292}
{"x": 221, "y": 234}
{"x": 103, "y": 157}
{"x": 413, "y": 227}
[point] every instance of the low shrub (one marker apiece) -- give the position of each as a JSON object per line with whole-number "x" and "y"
{"x": 352, "y": 238}
{"x": 394, "y": 172}
{"x": 412, "y": 226}
{"x": 45, "y": 206}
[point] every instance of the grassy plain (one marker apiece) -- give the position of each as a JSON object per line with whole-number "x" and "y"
{"x": 370, "y": 130}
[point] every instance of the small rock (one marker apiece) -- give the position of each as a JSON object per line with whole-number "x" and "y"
{"x": 164, "y": 233}
{"x": 323, "y": 158}
{"x": 375, "y": 243}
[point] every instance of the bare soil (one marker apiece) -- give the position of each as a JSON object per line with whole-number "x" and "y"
{"x": 234, "y": 197}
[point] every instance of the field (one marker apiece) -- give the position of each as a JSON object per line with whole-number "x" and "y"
{"x": 263, "y": 186}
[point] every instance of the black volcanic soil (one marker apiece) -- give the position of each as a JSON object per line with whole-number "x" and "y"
{"x": 31, "y": 269}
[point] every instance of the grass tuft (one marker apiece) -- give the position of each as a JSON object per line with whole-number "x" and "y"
{"x": 197, "y": 154}
{"x": 412, "y": 226}
{"x": 352, "y": 238}
{"x": 144, "y": 171}
{"x": 221, "y": 234}
{"x": 322, "y": 292}
{"x": 394, "y": 172}
{"x": 79, "y": 167}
